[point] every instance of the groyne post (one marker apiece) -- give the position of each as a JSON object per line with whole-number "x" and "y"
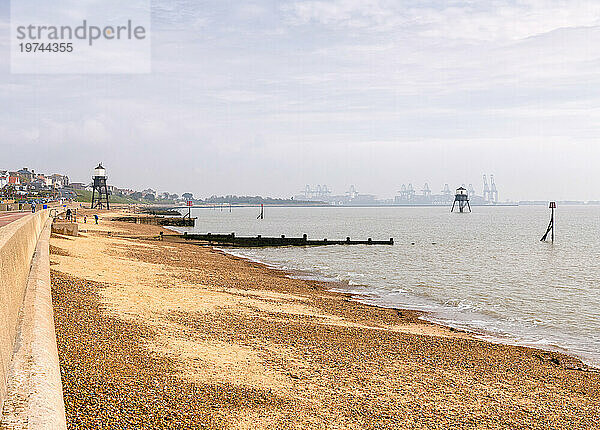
{"x": 550, "y": 225}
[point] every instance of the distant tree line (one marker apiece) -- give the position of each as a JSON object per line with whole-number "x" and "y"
{"x": 250, "y": 200}
{"x": 148, "y": 197}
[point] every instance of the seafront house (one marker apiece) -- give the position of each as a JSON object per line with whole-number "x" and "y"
{"x": 13, "y": 179}
{"x": 25, "y": 175}
{"x": 14, "y": 182}
{"x": 60, "y": 181}
{"x": 78, "y": 185}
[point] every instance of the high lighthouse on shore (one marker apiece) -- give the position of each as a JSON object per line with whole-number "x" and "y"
{"x": 100, "y": 187}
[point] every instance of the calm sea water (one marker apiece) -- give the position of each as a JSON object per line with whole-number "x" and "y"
{"x": 485, "y": 272}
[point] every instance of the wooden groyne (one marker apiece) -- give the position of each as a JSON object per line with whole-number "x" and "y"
{"x": 260, "y": 241}
{"x": 161, "y": 212}
{"x": 158, "y": 220}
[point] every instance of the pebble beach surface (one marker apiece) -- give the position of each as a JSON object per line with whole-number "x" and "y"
{"x": 154, "y": 334}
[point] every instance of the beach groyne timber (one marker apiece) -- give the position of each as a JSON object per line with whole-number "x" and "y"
{"x": 30, "y": 385}
{"x": 158, "y": 220}
{"x": 260, "y": 241}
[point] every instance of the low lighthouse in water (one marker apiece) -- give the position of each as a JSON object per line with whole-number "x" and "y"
{"x": 462, "y": 198}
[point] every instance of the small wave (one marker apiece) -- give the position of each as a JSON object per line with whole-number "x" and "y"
{"x": 246, "y": 257}
{"x": 461, "y": 314}
{"x": 398, "y": 291}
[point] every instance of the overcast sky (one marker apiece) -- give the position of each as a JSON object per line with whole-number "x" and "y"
{"x": 264, "y": 97}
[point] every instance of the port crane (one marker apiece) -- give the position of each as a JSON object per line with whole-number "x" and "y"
{"x": 486, "y": 189}
{"x": 493, "y": 190}
{"x": 426, "y": 190}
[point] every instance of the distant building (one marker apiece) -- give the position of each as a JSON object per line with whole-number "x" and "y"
{"x": 320, "y": 193}
{"x": 78, "y": 185}
{"x": 363, "y": 199}
{"x": 124, "y": 191}
{"x": 36, "y": 186}
{"x": 60, "y": 181}
{"x": 25, "y": 175}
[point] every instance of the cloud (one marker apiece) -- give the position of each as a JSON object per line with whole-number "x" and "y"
{"x": 266, "y": 96}
{"x": 373, "y": 14}
{"x": 473, "y": 20}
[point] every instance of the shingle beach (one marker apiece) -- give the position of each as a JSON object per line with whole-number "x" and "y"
{"x": 154, "y": 334}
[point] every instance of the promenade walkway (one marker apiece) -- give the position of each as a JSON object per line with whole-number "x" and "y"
{"x": 8, "y": 217}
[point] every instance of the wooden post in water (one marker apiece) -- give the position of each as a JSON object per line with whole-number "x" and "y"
{"x": 552, "y": 206}
{"x": 189, "y": 204}
{"x": 551, "y": 224}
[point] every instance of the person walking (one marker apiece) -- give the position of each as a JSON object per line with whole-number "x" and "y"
{"x": 85, "y": 219}
{"x": 68, "y": 214}
{"x": 96, "y": 218}
{"x": 33, "y": 207}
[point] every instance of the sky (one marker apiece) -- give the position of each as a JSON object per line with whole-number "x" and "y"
{"x": 263, "y": 97}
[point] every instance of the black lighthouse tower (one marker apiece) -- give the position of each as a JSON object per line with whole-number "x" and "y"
{"x": 462, "y": 198}
{"x": 100, "y": 187}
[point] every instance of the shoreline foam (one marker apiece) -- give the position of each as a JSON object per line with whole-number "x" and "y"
{"x": 429, "y": 316}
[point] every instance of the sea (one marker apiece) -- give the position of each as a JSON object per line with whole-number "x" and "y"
{"x": 486, "y": 272}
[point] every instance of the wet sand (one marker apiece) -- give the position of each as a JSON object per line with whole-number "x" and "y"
{"x": 165, "y": 335}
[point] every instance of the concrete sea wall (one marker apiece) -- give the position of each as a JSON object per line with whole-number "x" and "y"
{"x": 28, "y": 356}
{"x": 34, "y": 397}
{"x": 17, "y": 245}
